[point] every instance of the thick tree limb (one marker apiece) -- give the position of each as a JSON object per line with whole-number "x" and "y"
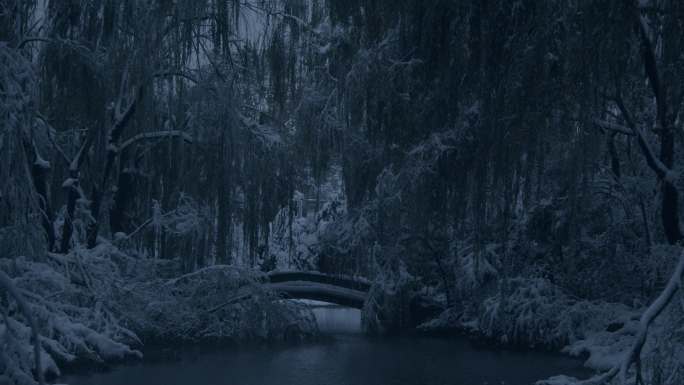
{"x": 614, "y": 127}
{"x": 76, "y": 162}
{"x": 665, "y": 129}
{"x": 653, "y": 311}
{"x": 647, "y": 318}
{"x": 74, "y": 191}
{"x": 651, "y": 67}
{"x": 123, "y": 111}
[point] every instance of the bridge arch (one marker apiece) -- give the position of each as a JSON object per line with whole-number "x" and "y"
{"x": 399, "y": 311}
{"x": 341, "y": 290}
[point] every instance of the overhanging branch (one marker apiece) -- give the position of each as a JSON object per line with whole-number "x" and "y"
{"x": 155, "y": 135}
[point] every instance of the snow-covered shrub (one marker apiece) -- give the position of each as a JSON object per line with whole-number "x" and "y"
{"x": 301, "y": 242}
{"x": 19, "y": 230}
{"x": 387, "y": 308}
{"x": 214, "y": 303}
{"x": 97, "y": 305}
{"x": 16, "y": 354}
{"x": 537, "y": 313}
{"x": 524, "y": 312}
{"x": 20, "y": 346}
{"x": 475, "y": 268}
{"x": 664, "y": 365}
{"x": 546, "y": 241}
{"x": 347, "y": 244}
{"x": 71, "y": 315}
{"x": 22, "y": 239}
{"x": 662, "y": 358}
{"x": 295, "y": 243}
{"x": 663, "y": 354}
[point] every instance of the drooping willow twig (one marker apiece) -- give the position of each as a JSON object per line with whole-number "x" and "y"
{"x": 8, "y": 285}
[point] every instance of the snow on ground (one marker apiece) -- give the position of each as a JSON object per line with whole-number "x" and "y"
{"x": 534, "y": 313}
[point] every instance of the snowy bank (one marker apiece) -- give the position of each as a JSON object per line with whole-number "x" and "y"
{"x": 98, "y": 306}
{"x": 534, "y": 313}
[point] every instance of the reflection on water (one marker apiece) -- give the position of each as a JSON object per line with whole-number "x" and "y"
{"x": 336, "y": 319}
{"x": 348, "y": 359}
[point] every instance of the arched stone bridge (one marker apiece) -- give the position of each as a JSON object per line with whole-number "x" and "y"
{"x": 346, "y": 291}
{"x": 351, "y": 292}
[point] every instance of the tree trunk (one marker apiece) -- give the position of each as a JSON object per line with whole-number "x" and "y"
{"x": 670, "y": 197}
{"x": 40, "y": 170}
{"x": 121, "y": 119}
{"x": 614, "y": 159}
{"x": 649, "y": 316}
{"x": 99, "y": 190}
{"x": 68, "y": 226}
{"x": 222, "y": 228}
{"x": 122, "y": 198}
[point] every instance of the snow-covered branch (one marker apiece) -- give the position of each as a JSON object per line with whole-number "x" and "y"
{"x": 75, "y": 163}
{"x": 8, "y": 285}
{"x": 155, "y": 135}
{"x": 279, "y": 13}
{"x": 651, "y": 313}
{"x": 647, "y": 319}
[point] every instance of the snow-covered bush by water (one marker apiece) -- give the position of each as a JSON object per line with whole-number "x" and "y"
{"x": 214, "y": 303}
{"x": 536, "y": 313}
{"x": 98, "y": 305}
{"x": 662, "y": 359}
{"x": 73, "y": 319}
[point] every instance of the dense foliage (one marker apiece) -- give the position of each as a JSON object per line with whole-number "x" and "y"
{"x": 509, "y": 158}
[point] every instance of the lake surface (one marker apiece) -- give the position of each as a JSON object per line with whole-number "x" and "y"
{"x": 348, "y": 358}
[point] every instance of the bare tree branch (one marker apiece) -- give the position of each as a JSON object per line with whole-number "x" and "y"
{"x": 614, "y": 127}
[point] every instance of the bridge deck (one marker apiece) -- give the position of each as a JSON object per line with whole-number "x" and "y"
{"x": 320, "y": 292}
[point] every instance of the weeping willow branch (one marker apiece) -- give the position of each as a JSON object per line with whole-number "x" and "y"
{"x": 6, "y": 283}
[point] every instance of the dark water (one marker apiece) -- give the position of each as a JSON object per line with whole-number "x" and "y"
{"x": 347, "y": 359}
